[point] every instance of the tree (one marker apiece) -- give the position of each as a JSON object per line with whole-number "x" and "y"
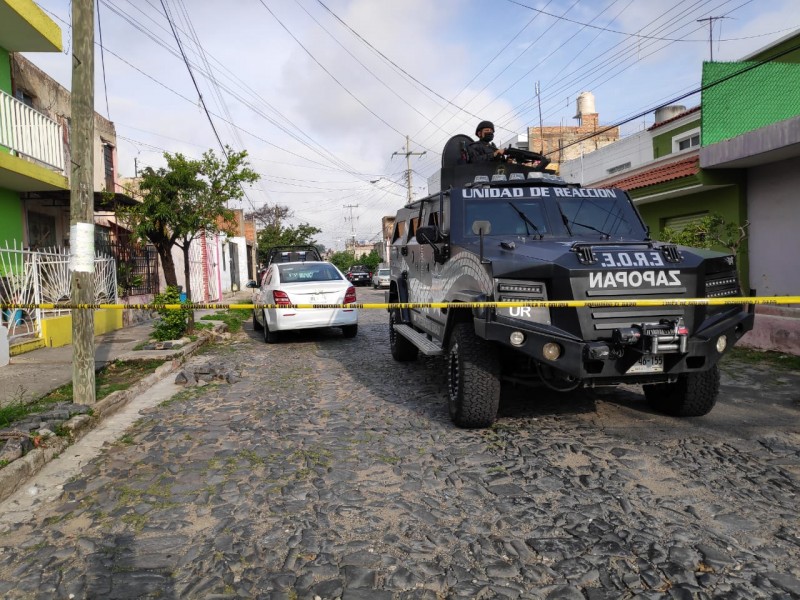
{"x": 271, "y": 236}
{"x": 270, "y": 215}
{"x": 345, "y": 259}
{"x": 159, "y": 217}
{"x": 186, "y": 199}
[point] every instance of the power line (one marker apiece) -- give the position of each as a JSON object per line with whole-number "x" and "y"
{"x": 194, "y": 81}
{"x": 606, "y": 29}
{"x": 331, "y": 75}
{"x": 702, "y": 88}
{"x": 103, "y": 61}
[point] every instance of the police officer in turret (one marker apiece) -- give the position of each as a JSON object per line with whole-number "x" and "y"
{"x": 484, "y": 149}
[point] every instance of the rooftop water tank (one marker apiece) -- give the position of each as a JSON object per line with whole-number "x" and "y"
{"x": 585, "y": 104}
{"x": 666, "y": 113}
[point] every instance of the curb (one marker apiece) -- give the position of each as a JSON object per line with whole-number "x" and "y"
{"x": 14, "y": 475}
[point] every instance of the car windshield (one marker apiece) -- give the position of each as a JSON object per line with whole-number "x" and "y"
{"x": 384, "y": 272}
{"x": 505, "y": 218}
{"x": 607, "y": 216}
{"x": 301, "y": 273}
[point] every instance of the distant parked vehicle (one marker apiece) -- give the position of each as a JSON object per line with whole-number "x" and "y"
{"x": 381, "y": 278}
{"x": 359, "y": 275}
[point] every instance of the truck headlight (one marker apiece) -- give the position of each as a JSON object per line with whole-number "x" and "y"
{"x": 551, "y": 351}
{"x": 722, "y": 343}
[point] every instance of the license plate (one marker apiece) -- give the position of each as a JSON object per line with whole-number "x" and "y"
{"x": 648, "y": 364}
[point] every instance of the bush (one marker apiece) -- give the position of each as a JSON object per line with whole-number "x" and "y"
{"x": 171, "y": 324}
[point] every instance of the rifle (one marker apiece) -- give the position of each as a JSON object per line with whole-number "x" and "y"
{"x": 539, "y": 161}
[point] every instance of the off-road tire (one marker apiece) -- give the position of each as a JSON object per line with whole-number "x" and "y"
{"x": 402, "y": 349}
{"x": 270, "y": 337}
{"x": 350, "y": 331}
{"x": 256, "y": 325}
{"x": 693, "y": 395}
{"x": 473, "y": 379}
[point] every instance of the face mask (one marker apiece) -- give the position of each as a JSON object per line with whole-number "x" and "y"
{"x": 487, "y": 138}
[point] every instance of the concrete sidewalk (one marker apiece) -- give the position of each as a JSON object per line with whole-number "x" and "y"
{"x": 32, "y": 375}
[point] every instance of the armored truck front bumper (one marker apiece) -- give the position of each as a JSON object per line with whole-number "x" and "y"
{"x": 609, "y": 361}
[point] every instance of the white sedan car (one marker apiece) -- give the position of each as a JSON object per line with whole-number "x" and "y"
{"x": 307, "y": 282}
{"x": 381, "y": 278}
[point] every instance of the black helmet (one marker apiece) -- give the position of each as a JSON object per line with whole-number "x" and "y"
{"x": 484, "y": 125}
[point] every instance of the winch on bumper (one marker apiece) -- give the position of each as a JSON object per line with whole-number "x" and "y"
{"x": 666, "y": 346}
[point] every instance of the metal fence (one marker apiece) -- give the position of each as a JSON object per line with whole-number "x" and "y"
{"x": 137, "y": 267}
{"x": 43, "y": 277}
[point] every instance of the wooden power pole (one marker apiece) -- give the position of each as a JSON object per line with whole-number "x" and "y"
{"x": 81, "y": 220}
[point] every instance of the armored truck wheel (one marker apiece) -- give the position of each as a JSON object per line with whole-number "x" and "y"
{"x": 693, "y": 395}
{"x": 473, "y": 379}
{"x": 402, "y": 349}
{"x": 256, "y": 325}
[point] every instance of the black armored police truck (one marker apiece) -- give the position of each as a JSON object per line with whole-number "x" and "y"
{"x": 515, "y": 232}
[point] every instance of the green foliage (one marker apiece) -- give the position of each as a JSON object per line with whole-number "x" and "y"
{"x": 345, "y": 260}
{"x": 279, "y": 235}
{"x": 186, "y": 198}
{"x": 711, "y": 232}
{"x": 171, "y": 324}
{"x": 233, "y": 317}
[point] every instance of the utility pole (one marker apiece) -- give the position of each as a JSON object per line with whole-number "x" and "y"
{"x": 408, "y": 154}
{"x": 711, "y": 33}
{"x": 81, "y": 261}
{"x": 352, "y": 225}
{"x": 541, "y": 126}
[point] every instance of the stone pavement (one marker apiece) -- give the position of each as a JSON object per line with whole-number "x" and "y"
{"x": 330, "y": 471}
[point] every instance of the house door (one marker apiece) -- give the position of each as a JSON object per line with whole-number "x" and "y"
{"x": 234, "y": 264}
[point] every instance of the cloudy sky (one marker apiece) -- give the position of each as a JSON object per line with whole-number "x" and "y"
{"x": 322, "y": 93}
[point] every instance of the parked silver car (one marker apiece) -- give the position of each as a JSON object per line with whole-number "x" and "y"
{"x": 381, "y": 278}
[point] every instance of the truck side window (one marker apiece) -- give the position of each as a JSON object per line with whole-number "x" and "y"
{"x": 399, "y": 230}
{"x": 412, "y": 228}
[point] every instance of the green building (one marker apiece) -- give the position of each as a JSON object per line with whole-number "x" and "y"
{"x": 31, "y": 147}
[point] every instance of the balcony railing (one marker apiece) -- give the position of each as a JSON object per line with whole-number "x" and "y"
{"x": 29, "y": 133}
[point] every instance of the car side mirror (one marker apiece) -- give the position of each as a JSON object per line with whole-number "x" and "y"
{"x": 252, "y": 284}
{"x": 429, "y": 234}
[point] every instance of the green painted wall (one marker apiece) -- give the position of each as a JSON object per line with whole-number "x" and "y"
{"x": 11, "y": 221}
{"x": 662, "y": 143}
{"x": 792, "y": 57}
{"x": 729, "y": 202}
{"x": 5, "y": 71}
{"x": 762, "y": 96}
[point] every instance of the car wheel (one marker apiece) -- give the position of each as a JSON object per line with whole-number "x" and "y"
{"x": 256, "y": 325}
{"x": 402, "y": 349}
{"x": 473, "y": 379}
{"x": 270, "y": 337}
{"x": 350, "y": 331}
{"x": 693, "y": 395}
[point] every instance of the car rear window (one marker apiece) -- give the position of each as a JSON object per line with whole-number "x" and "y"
{"x": 308, "y": 272}
{"x": 359, "y": 270}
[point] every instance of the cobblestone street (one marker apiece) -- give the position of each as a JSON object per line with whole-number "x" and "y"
{"x": 331, "y": 471}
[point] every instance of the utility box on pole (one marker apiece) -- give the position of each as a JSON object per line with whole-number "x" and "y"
{"x": 81, "y": 262}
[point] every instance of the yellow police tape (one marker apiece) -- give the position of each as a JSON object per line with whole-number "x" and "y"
{"x": 394, "y": 305}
